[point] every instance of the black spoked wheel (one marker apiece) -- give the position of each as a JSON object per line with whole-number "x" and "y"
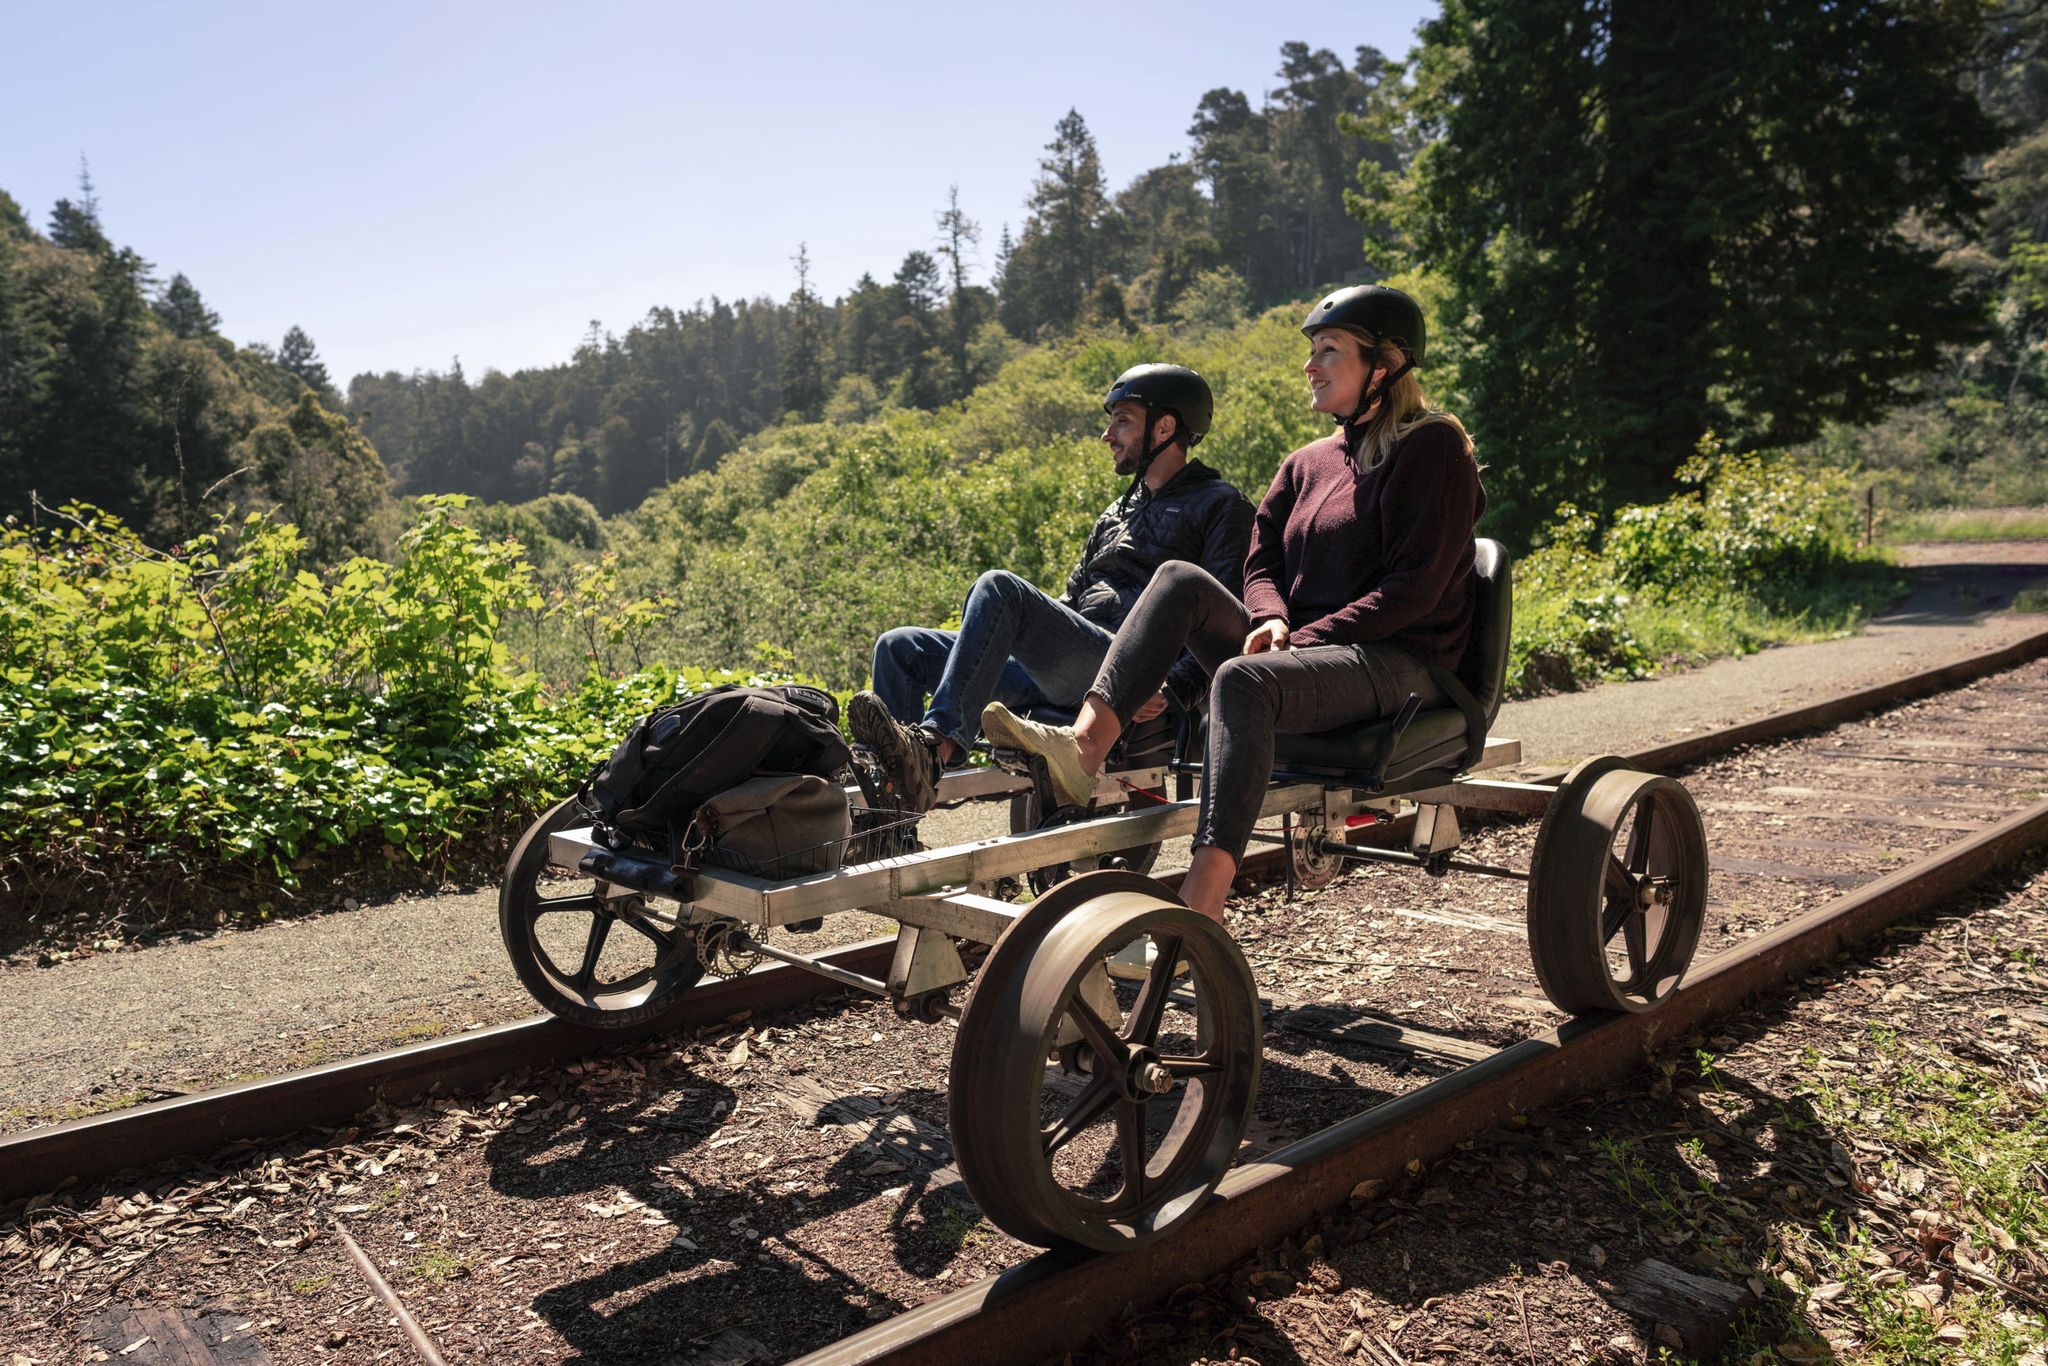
{"x": 1617, "y": 889}
{"x": 588, "y": 958}
{"x": 1025, "y": 815}
{"x": 1082, "y": 1116}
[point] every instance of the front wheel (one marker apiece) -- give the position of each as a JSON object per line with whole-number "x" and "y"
{"x": 1617, "y": 889}
{"x": 588, "y": 957}
{"x": 1079, "y": 1116}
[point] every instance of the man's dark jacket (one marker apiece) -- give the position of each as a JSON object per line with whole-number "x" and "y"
{"x": 1198, "y": 517}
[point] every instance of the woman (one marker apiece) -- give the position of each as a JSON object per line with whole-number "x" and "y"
{"x": 1360, "y": 571}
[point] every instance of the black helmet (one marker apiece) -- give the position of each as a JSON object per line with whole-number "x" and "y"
{"x": 1383, "y": 314}
{"x": 1166, "y": 389}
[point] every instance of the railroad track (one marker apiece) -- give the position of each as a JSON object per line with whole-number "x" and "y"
{"x": 1963, "y": 811}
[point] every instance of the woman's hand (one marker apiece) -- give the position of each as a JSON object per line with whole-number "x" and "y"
{"x": 1267, "y": 635}
{"x": 1150, "y": 708}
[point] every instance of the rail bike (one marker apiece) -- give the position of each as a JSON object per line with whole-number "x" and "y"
{"x": 1108, "y": 1043}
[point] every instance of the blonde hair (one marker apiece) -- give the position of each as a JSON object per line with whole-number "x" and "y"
{"x": 1404, "y": 408}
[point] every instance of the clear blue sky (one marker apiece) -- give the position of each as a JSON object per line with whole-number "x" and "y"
{"x": 411, "y": 183}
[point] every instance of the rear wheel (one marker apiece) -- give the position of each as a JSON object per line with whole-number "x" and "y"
{"x": 588, "y": 957}
{"x": 1312, "y": 866}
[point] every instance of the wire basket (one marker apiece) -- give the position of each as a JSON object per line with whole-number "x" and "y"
{"x": 877, "y": 834}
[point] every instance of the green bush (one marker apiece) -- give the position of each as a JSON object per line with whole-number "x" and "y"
{"x": 1763, "y": 550}
{"x": 225, "y": 707}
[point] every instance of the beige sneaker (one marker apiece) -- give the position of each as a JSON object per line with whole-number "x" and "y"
{"x": 1071, "y": 783}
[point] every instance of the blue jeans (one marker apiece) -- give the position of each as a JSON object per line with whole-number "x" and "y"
{"x": 1015, "y": 645}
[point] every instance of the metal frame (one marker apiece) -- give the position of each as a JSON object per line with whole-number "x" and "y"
{"x": 938, "y": 893}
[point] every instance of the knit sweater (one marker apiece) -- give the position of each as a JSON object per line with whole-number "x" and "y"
{"x": 1346, "y": 557}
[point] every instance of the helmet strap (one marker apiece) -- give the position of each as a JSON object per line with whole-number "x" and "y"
{"x": 1149, "y": 451}
{"x": 1354, "y": 425}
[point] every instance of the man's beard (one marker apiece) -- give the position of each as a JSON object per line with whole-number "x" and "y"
{"x": 1127, "y": 460}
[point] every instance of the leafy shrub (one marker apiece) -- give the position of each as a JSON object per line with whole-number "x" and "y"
{"x": 224, "y": 707}
{"x": 1755, "y": 518}
{"x": 1764, "y": 547}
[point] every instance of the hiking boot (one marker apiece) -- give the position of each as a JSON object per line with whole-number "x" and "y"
{"x": 1071, "y": 783}
{"x": 906, "y": 753}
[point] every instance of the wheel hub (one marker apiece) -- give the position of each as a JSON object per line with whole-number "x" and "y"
{"x": 1653, "y": 891}
{"x": 1144, "y": 1076}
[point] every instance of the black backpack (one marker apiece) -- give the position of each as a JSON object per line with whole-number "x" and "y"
{"x": 674, "y": 760}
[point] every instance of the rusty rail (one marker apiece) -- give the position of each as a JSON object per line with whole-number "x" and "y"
{"x": 1046, "y": 1305}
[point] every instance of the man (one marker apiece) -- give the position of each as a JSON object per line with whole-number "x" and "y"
{"x": 1018, "y": 646}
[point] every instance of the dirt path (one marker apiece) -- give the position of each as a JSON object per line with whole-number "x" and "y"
{"x": 1957, "y": 607}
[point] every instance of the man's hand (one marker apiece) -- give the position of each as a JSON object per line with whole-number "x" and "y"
{"x": 1268, "y": 635}
{"x": 1151, "y": 708}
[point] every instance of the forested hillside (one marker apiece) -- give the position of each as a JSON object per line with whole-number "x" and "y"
{"x": 139, "y": 406}
{"x": 1253, "y": 214}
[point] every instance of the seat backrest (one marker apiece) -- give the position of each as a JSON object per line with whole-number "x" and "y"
{"x": 1484, "y": 669}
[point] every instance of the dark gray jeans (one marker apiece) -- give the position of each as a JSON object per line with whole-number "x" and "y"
{"x": 1302, "y": 691}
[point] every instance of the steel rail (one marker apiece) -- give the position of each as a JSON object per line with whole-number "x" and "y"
{"x": 1831, "y": 711}
{"x": 1051, "y": 1303}
{"x": 39, "y": 1160}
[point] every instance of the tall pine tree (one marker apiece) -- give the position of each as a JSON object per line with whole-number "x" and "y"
{"x": 1054, "y": 267}
{"x": 1661, "y": 217}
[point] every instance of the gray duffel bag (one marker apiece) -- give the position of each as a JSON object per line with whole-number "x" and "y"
{"x": 775, "y": 826}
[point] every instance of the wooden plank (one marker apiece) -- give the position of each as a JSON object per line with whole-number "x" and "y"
{"x": 1460, "y": 920}
{"x": 1913, "y": 759}
{"x": 729, "y": 1348}
{"x": 1753, "y": 867}
{"x": 1690, "y": 1313}
{"x": 1344, "y": 1025}
{"x": 175, "y": 1337}
{"x": 1885, "y": 799}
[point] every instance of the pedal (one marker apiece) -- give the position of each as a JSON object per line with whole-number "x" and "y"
{"x": 1013, "y": 761}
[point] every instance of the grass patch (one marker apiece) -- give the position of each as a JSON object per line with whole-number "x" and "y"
{"x": 99, "y": 1106}
{"x": 955, "y": 1230}
{"x": 438, "y": 1264}
{"x": 1967, "y": 524}
{"x": 311, "y": 1285}
{"x": 1977, "y": 1142}
{"x": 414, "y": 1033}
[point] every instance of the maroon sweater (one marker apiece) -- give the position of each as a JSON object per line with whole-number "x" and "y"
{"x": 1346, "y": 558}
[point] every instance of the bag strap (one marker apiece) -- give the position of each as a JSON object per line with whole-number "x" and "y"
{"x": 1475, "y": 715}
{"x": 731, "y": 756}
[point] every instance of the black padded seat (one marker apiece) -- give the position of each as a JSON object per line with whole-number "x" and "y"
{"x": 1432, "y": 749}
{"x": 1433, "y": 742}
